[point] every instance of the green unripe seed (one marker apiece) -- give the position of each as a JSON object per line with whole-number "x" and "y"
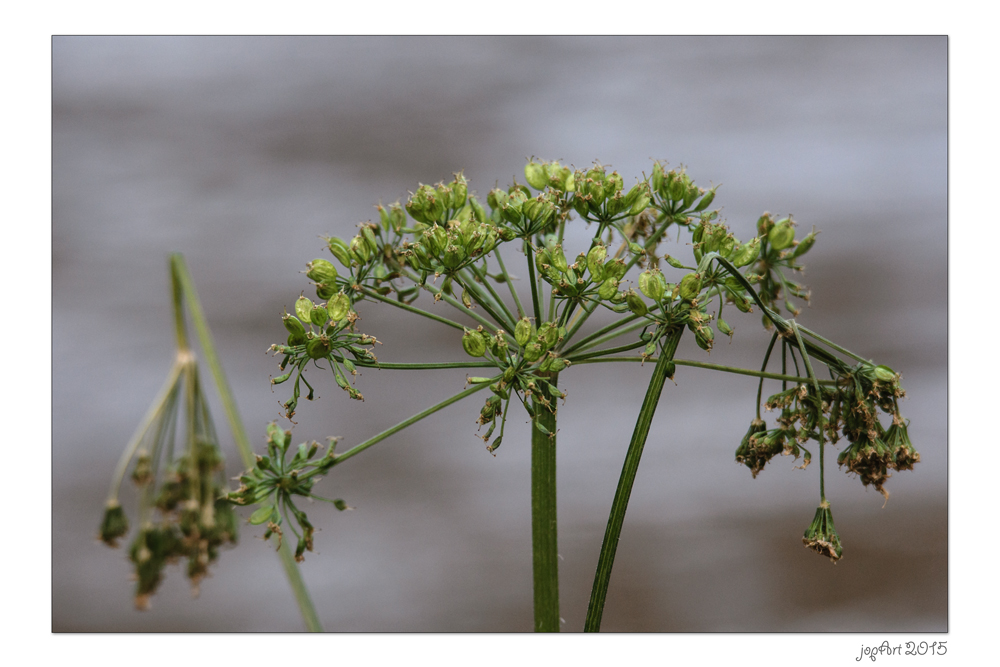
{"x": 473, "y": 343}
{"x": 884, "y": 374}
{"x": 534, "y": 173}
{"x": 651, "y": 285}
{"x": 318, "y": 316}
{"x": 338, "y": 307}
{"x": 326, "y": 290}
{"x": 340, "y": 250}
{"x": 636, "y": 304}
{"x": 303, "y": 308}
{"x": 523, "y": 331}
{"x": 781, "y": 236}
{"x": 558, "y": 259}
{"x": 319, "y": 347}
{"x": 321, "y": 271}
{"x": 690, "y": 286}
{"x": 724, "y": 327}
{"x": 608, "y": 289}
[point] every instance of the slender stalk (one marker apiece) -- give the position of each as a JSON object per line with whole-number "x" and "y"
{"x": 620, "y": 504}
{"x": 485, "y": 281}
{"x": 544, "y": 535}
{"x": 405, "y": 306}
{"x": 819, "y": 426}
{"x": 184, "y": 284}
{"x": 534, "y": 287}
{"x": 604, "y": 353}
{"x": 582, "y": 343}
{"x": 513, "y": 292}
{"x": 407, "y": 422}
{"x": 424, "y": 367}
{"x": 701, "y": 364}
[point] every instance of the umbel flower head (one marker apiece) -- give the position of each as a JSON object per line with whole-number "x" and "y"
{"x": 180, "y": 513}
{"x": 821, "y": 536}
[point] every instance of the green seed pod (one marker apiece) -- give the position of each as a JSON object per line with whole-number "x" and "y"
{"x": 496, "y": 198}
{"x": 581, "y": 205}
{"x": 724, "y": 328}
{"x": 459, "y": 191}
{"x": 884, "y": 374}
{"x": 657, "y": 178}
{"x": 296, "y": 339}
{"x": 368, "y": 233}
{"x": 326, "y": 290}
{"x": 669, "y": 368}
{"x": 558, "y": 259}
{"x": 321, "y": 271}
{"x": 319, "y": 347}
{"x": 706, "y": 201}
{"x": 615, "y": 269}
{"x": 338, "y": 307}
{"x": 453, "y": 256}
{"x": 595, "y": 259}
{"x": 704, "y": 337}
{"x": 674, "y": 262}
{"x": 397, "y": 217}
{"x": 318, "y": 316}
{"x": 608, "y": 289}
{"x": 340, "y": 250}
{"x": 524, "y": 330}
{"x": 781, "y": 235}
{"x": 437, "y": 239}
{"x": 616, "y": 204}
{"x": 805, "y": 244}
{"x": 534, "y": 173}
{"x": 690, "y": 286}
{"x": 746, "y": 254}
{"x": 293, "y": 325}
{"x": 360, "y": 250}
{"x": 613, "y": 184}
{"x": 477, "y": 210}
{"x": 473, "y": 343}
{"x": 466, "y": 299}
{"x": 636, "y": 249}
{"x": 651, "y": 285}
{"x": 557, "y": 364}
{"x": 548, "y": 334}
{"x": 677, "y": 189}
{"x": 303, "y": 308}
{"x": 533, "y": 352}
{"x": 640, "y": 204}
{"x": 636, "y": 304}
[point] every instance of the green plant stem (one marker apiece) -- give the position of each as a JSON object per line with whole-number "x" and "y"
{"x": 510, "y": 285}
{"x": 407, "y": 422}
{"x": 484, "y": 280}
{"x": 469, "y": 284}
{"x": 705, "y": 365}
{"x": 603, "y": 353}
{"x": 534, "y": 287}
{"x": 838, "y": 348}
{"x": 424, "y": 367}
{"x": 544, "y": 520}
{"x": 820, "y": 420}
{"x": 490, "y": 326}
{"x": 405, "y": 306}
{"x": 186, "y": 285}
{"x": 583, "y": 342}
{"x": 620, "y": 504}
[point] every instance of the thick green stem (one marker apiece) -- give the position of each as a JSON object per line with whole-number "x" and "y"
{"x": 183, "y": 282}
{"x": 544, "y": 536}
{"x": 620, "y": 504}
{"x": 536, "y": 306}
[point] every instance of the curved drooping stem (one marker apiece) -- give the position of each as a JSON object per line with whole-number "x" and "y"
{"x": 620, "y": 504}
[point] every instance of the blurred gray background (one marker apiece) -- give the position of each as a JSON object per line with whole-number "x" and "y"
{"x": 242, "y": 152}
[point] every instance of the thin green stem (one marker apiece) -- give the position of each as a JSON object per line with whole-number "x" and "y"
{"x": 582, "y": 343}
{"x": 701, "y": 364}
{"x": 620, "y": 504}
{"x": 604, "y": 353}
{"x": 819, "y": 399}
{"x": 832, "y": 344}
{"x": 484, "y": 280}
{"x": 483, "y": 300}
{"x": 506, "y": 276}
{"x": 405, "y": 306}
{"x": 611, "y": 336}
{"x": 430, "y": 366}
{"x": 544, "y": 534}
{"x": 407, "y": 422}
{"x": 186, "y": 284}
{"x": 534, "y": 288}
{"x": 763, "y": 367}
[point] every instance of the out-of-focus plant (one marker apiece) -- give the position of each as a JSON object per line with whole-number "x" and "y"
{"x": 444, "y": 242}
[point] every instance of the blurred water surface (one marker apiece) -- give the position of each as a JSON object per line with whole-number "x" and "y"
{"x": 241, "y": 152}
